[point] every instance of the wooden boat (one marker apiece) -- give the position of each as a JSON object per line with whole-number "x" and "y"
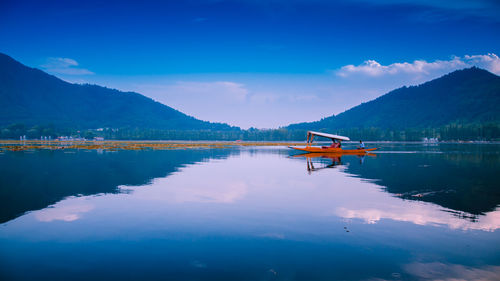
{"x": 317, "y": 149}
{"x": 329, "y": 155}
{"x": 329, "y": 149}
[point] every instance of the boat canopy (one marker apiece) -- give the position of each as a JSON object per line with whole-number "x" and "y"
{"x": 311, "y": 134}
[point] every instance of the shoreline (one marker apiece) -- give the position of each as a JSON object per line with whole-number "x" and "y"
{"x": 112, "y": 145}
{"x": 16, "y": 145}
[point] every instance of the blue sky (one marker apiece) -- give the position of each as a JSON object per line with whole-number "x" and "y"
{"x": 250, "y": 62}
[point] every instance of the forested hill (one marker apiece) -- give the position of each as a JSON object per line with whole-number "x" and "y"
{"x": 468, "y": 96}
{"x": 32, "y": 97}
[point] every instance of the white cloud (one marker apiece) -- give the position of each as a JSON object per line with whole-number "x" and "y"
{"x": 489, "y": 62}
{"x": 372, "y": 68}
{"x": 64, "y": 66}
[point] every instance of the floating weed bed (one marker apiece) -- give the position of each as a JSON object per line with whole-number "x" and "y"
{"x": 125, "y": 145}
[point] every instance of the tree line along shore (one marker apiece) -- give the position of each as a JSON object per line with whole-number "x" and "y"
{"x": 451, "y": 132}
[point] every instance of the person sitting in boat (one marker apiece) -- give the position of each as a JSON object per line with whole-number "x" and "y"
{"x": 335, "y": 144}
{"x": 361, "y": 145}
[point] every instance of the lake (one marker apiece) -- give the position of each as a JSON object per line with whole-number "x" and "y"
{"x": 408, "y": 212}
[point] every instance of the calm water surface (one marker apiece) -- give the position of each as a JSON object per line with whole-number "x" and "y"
{"x": 409, "y": 212}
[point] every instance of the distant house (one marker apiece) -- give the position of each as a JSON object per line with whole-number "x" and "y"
{"x": 430, "y": 140}
{"x": 70, "y": 138}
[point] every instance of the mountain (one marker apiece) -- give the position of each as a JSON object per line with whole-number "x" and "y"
{"x": 460, "y": 105}
{"x": 467, "y": 96}
{"x": 33, "y": 97}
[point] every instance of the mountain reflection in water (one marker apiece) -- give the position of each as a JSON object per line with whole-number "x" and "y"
{"x": 35, "y": 180}
{"x": 461, "y": 181}
{"x": 257, "y": 214}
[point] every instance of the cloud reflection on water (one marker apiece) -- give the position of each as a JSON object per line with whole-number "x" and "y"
{"x": 452, "y": 272}
{"x": 271, "y": 187}
{"x": 421, "y": 213}
{"x": 275, "y": 183}
{"x": 67, "y": 210}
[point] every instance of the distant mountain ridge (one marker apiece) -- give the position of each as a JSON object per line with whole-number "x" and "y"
{"x": 465, "y": 96}
{"x": 462, "y": 105}
{"x": 33, "y": 97}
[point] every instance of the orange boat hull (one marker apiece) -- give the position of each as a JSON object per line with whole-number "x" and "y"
{"x": 330, "y": 155}
{"x": 317, "y": 149}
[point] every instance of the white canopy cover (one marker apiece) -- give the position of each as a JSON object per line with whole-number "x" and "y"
{"x": 330, "y": 136}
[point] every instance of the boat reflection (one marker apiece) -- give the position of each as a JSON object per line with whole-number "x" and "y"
{"x": 328, "y": 160}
